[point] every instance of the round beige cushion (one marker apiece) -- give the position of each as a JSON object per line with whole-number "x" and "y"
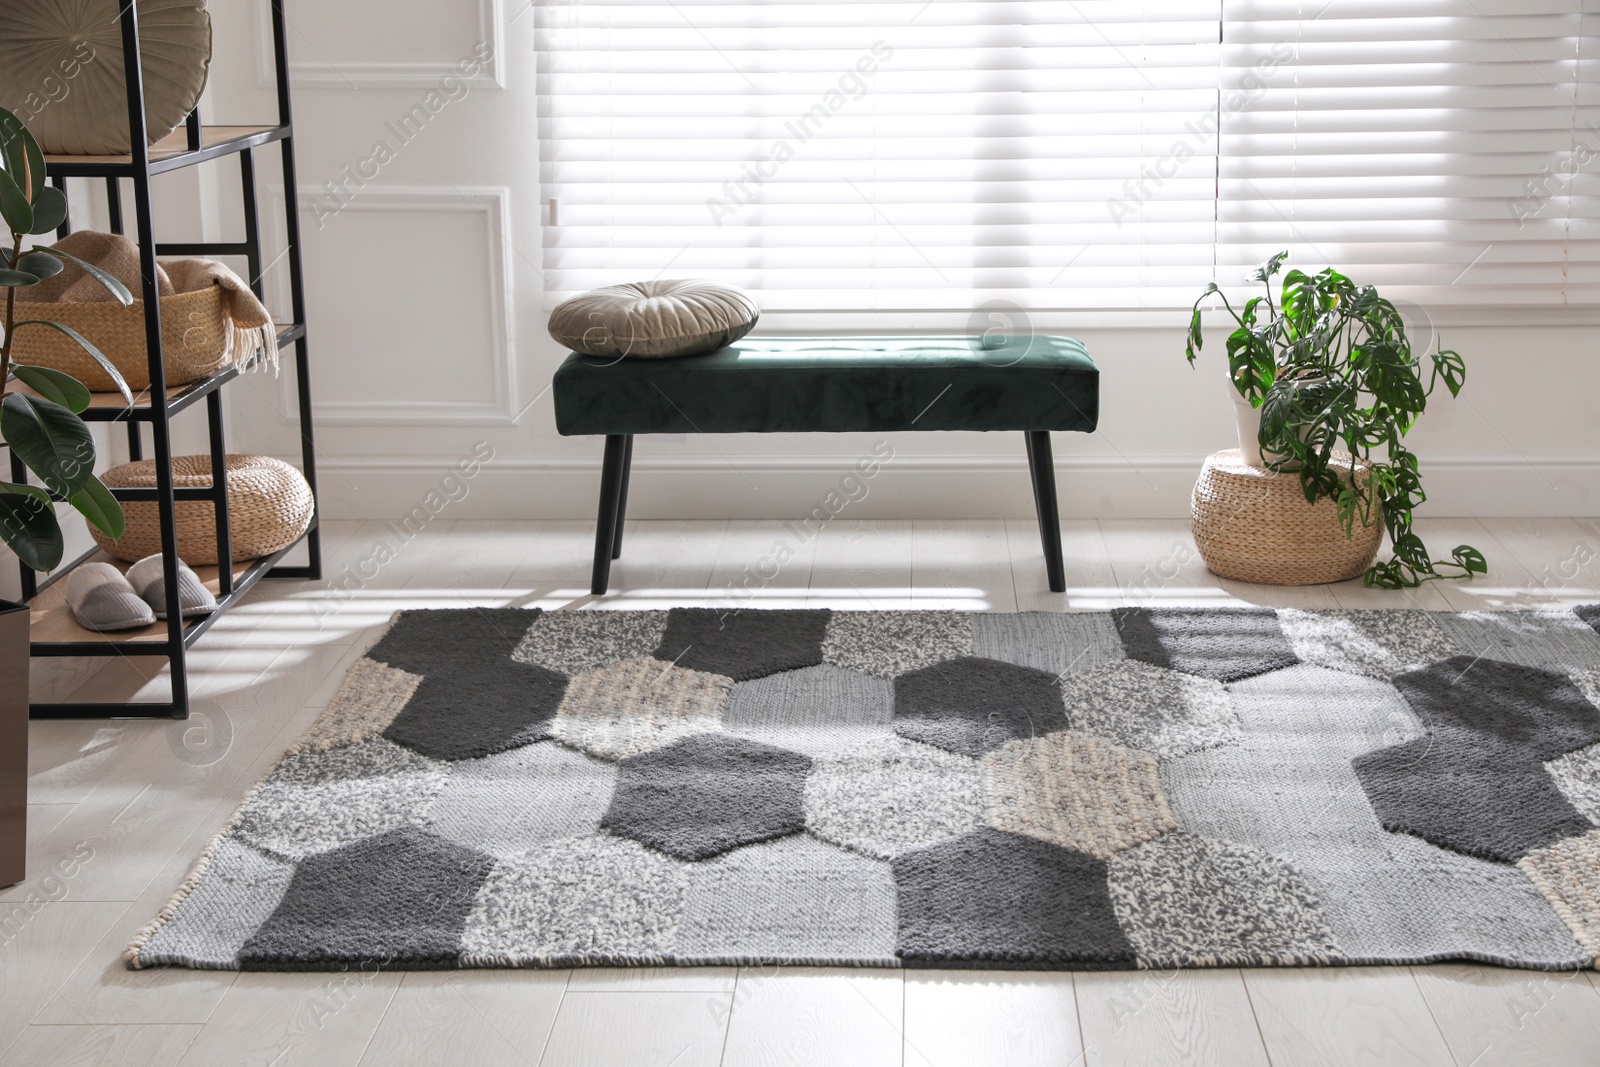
{"x": 654, "y": 319}
{"x": 269, "y": 506}
{"x": 61, "y": 69}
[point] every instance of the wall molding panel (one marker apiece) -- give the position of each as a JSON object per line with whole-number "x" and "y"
{"x": 315, "y": 70}
{"x": 492, "y": 203}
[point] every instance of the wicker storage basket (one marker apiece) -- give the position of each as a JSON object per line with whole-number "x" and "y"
{"x": 194, "y": 338}
{"x": 1254, "y": 525}
{"x": 269, "y": 506}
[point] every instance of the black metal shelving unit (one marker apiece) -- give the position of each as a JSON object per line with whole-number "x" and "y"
{"x": 193, "y": 144}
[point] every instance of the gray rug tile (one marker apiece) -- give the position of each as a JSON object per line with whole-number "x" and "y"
{"x": 891, "y": 796}
{"x": 578, "y": 899}
{"x": 796, "y": 898}
{"x": 508, "y": 803}
{"x": 817, "y": 711}
{"x": 1060, "y": 643}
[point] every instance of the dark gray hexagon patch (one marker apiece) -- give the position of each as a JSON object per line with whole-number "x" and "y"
{"x": 397, "y": 900}
{"x": 473, "y": 700}
{"x": 972, "y": 706}
{"x": 1539, "y": 711}
{"x": 1589, "y": 613}
{"x": 743, "y": 644}
{"x": 1003, "y": 900}
{"x": 708, "y": 794}
{"x": 1225, "y": 644}
{"x": 1476, "y": 782}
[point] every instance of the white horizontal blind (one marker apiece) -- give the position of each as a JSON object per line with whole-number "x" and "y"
{"x": 884, "y": 156}
{"x": 1444, "y": 150}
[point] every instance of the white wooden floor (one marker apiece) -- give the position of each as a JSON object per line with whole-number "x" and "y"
{"x": 119, "y": 810}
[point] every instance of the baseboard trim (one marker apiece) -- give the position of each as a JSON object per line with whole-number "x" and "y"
{"x": 906, "y": 486}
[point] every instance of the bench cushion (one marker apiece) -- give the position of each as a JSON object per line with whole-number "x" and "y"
{"x": 807, "y": 385}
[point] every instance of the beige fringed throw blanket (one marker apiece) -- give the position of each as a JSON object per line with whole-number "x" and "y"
{"x": 252, "y": 340}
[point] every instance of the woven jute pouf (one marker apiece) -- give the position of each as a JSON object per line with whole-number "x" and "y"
{"x": 269, "y": 506}
{"x": 195, "y": 331}
{"x": 1254, "y": 525}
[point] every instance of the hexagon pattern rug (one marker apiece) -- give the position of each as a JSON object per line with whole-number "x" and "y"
{"x": 1124, "y": 789}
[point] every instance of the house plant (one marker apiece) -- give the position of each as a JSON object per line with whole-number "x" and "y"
{"x": 1328, "y": 364}
{"x": 44, "y": 431}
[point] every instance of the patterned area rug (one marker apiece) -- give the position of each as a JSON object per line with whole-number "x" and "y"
{"x": 1134, "y": 788}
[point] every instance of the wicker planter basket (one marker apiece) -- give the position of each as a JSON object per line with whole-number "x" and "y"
{"x": 269, "y": 506}
{"x": 1254, "y": 525}
{"x": 195, "y": 331}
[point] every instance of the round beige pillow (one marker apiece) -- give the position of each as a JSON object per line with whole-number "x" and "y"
{"x": 653, "y": 320}
{"x": 61, "y": 69}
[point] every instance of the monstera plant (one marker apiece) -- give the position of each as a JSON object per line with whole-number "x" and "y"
{"x": 1328, "y": 364}
{"x": 42, "y": 427}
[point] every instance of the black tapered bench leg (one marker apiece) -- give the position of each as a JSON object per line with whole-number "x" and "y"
{"x": 607, "y": 527}
{"x": 1041, "y": 464}
{"x": 1038, "y": 511}
{"x": 622, "y": 496}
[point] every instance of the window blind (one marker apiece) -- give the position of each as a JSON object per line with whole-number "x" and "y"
{"x": 1444, "y": 150}
{"x": 884, "y": 156}
{"x": 909, "y": 155}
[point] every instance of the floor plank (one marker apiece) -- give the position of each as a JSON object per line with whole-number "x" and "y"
{"x": 41, "y": 943}
{"x": 763, "y": 564}
{"x": 318, "y": 1020}
{"x": 1091, "y": 583}
{"x": 1494, "y": 1017}
{"x": 1176, "y": 1018}
{"x": 1560, "y": 556}
{"x": 485, "y": 1018}
{"x": 816, "y": 1017}
{"x": 101, "y": 990}
{"x": 671, "y": 567}
{"x": 66, "y": 758}
{"x": 640, "y": 1029}
{"x": 562, "y": 551}
{"x": 959, "y": 1018}
{"x": 1345, "y": 1016}
{"x": 862, "y": 565}
{"x": 42, "y": 819}
{"x": 961, "y": 564}
{"x": 101, "y": 1046}
{"x": 1157, "y": 564}
{"x": 1505, "y": 585}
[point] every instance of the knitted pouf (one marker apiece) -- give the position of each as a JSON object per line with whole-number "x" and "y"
{"x": 269, "y": 506}
{"x": 1254, "y": 525}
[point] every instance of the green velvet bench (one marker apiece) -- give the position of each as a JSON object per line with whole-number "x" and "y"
{"x": 832, "y": 385}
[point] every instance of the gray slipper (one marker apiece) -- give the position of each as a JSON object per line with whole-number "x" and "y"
{"x": 101, "y": 599}
{"x": 193, "y": 597}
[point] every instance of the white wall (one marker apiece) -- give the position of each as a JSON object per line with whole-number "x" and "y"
{"x": 427, "y": 335}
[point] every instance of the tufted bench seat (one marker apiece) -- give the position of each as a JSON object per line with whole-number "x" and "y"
{"x": 832, "y": 385}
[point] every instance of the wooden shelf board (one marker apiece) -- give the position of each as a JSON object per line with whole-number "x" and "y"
{"x": 53, "y": 621}
{"x": 109, "y": 401}
{"x": 175, "y": 143}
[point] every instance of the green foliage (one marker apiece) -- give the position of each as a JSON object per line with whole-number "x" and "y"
{"x": 1329, "y": 366}
{"x": 44, "y": 431}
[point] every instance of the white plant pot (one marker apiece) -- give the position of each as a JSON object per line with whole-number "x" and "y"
{"x": 1249, "y": 420}
{"x": 1249, "y": 423}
